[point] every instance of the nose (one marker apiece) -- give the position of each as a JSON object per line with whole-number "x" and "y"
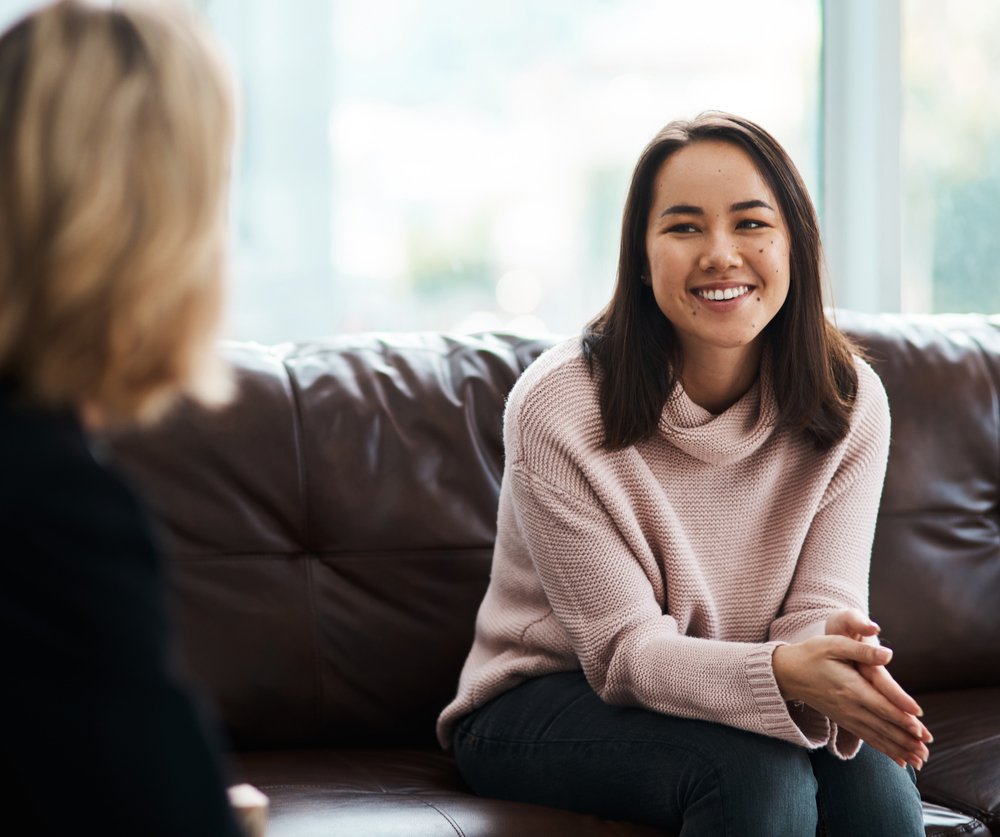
{"x": 721, "y": 253}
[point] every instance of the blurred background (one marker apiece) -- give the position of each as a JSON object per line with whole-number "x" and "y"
{"x": 437, "y": 164}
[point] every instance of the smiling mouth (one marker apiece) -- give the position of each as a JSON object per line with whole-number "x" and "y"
{"x": 720, "y": 294}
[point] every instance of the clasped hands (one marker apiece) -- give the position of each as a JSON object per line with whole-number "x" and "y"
{"x": 845, "y": 679}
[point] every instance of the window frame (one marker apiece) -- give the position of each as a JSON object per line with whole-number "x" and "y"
{"x": 860, "y": 169}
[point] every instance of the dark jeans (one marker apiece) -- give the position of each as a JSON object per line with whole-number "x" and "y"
{"x": 553, "y": 741}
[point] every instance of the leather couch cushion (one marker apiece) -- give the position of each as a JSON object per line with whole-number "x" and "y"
{"x": 943, "y": 822}
{"x": 345, "y": 793}
{"x": 330, "y": 533}
{"x": 963, "y": 772}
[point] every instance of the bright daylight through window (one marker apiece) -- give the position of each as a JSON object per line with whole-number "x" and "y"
{"x": 435, "y": 164}
{"x": 951, "y": 155}
{"x": 411, "y": 164}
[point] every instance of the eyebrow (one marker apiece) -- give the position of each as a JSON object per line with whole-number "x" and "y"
{"x": 740, "y": 206}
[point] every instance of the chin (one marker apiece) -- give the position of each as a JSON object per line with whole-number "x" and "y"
{"x": 736, "y": 341}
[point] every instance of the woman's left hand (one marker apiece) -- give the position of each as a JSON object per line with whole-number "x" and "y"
{"x": 854, "y": 624}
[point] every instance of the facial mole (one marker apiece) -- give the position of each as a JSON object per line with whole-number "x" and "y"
{"x": 761, "y": 250}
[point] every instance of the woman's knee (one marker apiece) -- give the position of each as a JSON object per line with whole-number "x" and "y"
{"x": 747, "y": 784}
{"x": 867, "y": 795}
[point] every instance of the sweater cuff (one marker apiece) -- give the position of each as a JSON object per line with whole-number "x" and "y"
{"x": 814, "y": 725}
{"x": 843, "y": 744}
{"x": 811, "y": 730}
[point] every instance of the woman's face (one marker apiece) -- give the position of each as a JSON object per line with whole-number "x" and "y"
{"x": 717, "y": 248}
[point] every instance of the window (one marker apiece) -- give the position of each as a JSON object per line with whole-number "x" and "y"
{"x": 436, "y": 164}
{"x": 951, "y": 156}
{"x": 911, "y": 145}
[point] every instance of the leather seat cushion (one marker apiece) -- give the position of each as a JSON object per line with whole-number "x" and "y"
{"x": 385, "y": 793}
{"x": 419, "y": 793}
{"x": 963, "y": 772}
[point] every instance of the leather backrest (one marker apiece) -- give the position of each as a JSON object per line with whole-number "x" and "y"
{"x": 935, "y": 583}
{"x": 329, "y": 534}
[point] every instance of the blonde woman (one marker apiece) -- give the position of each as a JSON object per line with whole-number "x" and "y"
{"x": 115, "y": 137}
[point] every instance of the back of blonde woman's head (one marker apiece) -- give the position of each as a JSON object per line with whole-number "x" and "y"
{"x": 115, "y": 135}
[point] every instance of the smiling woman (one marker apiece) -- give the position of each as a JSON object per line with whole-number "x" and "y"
{"x": 675, "y": 630}
{"x": 718, "y": 256}
{"x": 732, "y": 166}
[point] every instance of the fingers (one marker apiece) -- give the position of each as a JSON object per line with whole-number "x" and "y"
{"x": 837, "y": 687}
{"x": 886, "y": 741}
{"x": 860, "y": 652}
{"x": 851, "y": 622}
{"x": 896, "y": 733}
{"x": 845, "y": 680}
{"x": 882, "y": 680}
{"x": 901, "y": 727}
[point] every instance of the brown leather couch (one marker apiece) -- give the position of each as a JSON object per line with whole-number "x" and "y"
{"x": 329, "y": 542}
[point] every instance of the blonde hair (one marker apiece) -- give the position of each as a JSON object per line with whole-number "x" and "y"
{"x": 116, "y": 127}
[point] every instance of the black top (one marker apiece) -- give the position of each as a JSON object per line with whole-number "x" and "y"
{"x": 96, "y": 733}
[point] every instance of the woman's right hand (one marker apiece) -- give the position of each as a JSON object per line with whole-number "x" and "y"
{"x": 823, "y": 672}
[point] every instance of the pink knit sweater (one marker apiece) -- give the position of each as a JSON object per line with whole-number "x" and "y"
{"x": 669, "y": 571}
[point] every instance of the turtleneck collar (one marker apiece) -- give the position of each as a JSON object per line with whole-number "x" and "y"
{"x": 728, "y": 437}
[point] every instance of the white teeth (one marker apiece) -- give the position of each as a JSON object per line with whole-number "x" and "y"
{"x": 718, "y": 294}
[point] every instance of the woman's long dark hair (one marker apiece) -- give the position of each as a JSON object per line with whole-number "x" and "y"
{"x": 636, "y": 348}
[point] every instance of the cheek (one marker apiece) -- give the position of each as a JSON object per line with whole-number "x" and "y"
{"x": 667, "y": 267}
{"x": 783, "y": 268}
{"x": 674, "y": 303}
{"x": 775, "y": 262}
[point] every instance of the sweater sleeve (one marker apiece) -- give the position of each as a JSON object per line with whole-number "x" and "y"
{"x": 833, "y": 567}
{"x": 630, "y": 651}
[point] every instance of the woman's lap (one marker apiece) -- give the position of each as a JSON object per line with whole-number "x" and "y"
{"x": 552, "y": 741}
{"x": 870, "y": 794}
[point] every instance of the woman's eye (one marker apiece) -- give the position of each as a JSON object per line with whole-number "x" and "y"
{"x": 682, "y": 228}
{"x": 750, "y": 224}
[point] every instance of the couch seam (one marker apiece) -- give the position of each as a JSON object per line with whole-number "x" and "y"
{"x": 381, "y": 791}
{"x": 450, "y": 820}
{"x": 328, "y": 553}
{"x": 297, "y": 433}
{"x": 995, "y": 382}
{"x": 927, "y": 512}
{"x": 474, "y": 342}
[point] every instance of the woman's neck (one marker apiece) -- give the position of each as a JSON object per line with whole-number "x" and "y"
{"x": 717, "y": 378}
